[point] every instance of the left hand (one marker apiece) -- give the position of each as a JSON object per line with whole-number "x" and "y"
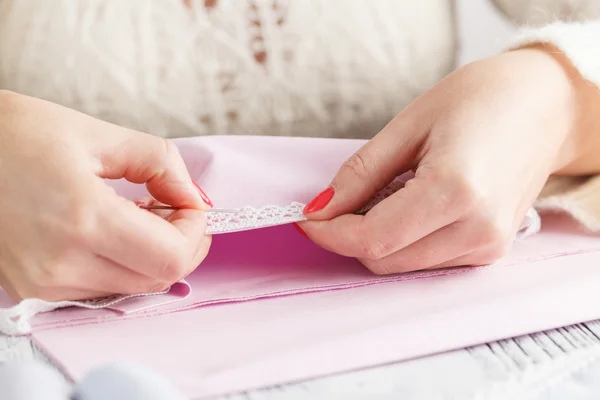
{"x": 482, "y": 143}
{"x": 66, "y": 234}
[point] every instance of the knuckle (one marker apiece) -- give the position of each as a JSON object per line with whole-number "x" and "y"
{"x": 46, "y": 275}
{"x": 167, "y": 158}
{"x": 497, "y": 251}
{"x": 493, "y": 253}
{"x": 168, "y": 147}
{"x": 169, "y": 151}
{"x": 456, "y": 193}
{"x": 387, "y": 266}
{"x": 495, "y": 234}
{"x": 375, "y": 249}
{"x": 174, "y": 269}
{"x": 156, "y": 287}
{"x": 357, "y": 165}
{"x": 162, "y": 150}
{"x": 378, "y": 267}
{"x": 83, "y": 221}
{"x": 464, "y": 195}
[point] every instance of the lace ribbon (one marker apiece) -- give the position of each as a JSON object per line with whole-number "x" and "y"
{"x": 249, "y": 218}
{"x": 15, "y": 320}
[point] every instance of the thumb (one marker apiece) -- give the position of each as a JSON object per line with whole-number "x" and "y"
{"x": 142, "y": 158}
{"x": 390, "y": 153}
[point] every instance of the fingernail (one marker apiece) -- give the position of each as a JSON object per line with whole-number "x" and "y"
{"x": 203, "y": 195}
{"x": 319, "y": 202}
{"x": 300, "y": 230}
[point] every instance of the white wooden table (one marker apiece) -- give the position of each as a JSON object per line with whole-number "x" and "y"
{"x": 558, "y": 364}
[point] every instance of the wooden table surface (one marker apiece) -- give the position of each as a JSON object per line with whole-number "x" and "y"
{"x": 558, "y": 364}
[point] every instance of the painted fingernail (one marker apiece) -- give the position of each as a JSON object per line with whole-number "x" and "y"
{"x": 319, "y": 202}
{"x": 203, "y": 195}
{"x": 300, "y": 230}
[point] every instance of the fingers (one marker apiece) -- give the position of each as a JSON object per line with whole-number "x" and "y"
{"x": 426, "y": 204}
{"x": 148, "y": 244}
{"x": 83, "y": 275}
{"x": 200, "y": 255}
{"x": 457, "y": 244}
{"x": 390, "y": 153}
{"x": 149, "y": 202}
{"x": 146, "y": 269}
{"x": 179, "y": 219}
{"x": 432, "y": 234}
{"x": 485, "y": 255}
{"x": 192, "y": 225}
{"x": 143, "y": 158}
{"x": 344, "y": 235}
{"x": 441, "y": 247}
{"x": 96, "y": 274}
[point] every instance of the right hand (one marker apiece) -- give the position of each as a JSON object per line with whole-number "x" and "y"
{"x": 482, "y": 143}
{"x": 65, "y": 234}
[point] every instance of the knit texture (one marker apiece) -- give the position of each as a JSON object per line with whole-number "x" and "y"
{"x": 324, "y": 68}
{"x": 542, "y": 12}
{"x": 578, "y": 41}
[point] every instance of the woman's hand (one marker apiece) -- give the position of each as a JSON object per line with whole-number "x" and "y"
{"x": 64, "y": 233}
{"x": 482, "y": 143}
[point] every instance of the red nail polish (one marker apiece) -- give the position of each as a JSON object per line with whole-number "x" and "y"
{"x": 300, "y": 230}
{"x": 319, "y": 202}
{"x": 203, "y": 195}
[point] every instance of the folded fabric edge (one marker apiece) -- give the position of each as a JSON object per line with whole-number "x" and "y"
{"x": 15, "y": 321}
{"x": 270, "y": 295}
{"x": 151, "y": 312}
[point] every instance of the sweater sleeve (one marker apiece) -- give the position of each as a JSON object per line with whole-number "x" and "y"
{"x": 542, "y": 12}
{"x": 579, "y": 42}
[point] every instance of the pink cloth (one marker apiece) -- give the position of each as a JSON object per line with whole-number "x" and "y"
{"x": 546, "y": 281}
{"x": 215, "y": 350}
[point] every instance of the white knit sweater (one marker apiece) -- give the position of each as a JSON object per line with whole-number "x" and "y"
{"x": 335, "y": 68}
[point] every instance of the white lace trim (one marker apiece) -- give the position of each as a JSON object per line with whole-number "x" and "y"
{"x": 254, "y": 218}
{"x": 15, "y": 320}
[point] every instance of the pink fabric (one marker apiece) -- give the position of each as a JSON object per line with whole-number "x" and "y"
{"x": 546, "y": 281}
{"x": 215, "y": 350}
{"x": 256, "y": 171}
{"x": 278, "y": 261}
